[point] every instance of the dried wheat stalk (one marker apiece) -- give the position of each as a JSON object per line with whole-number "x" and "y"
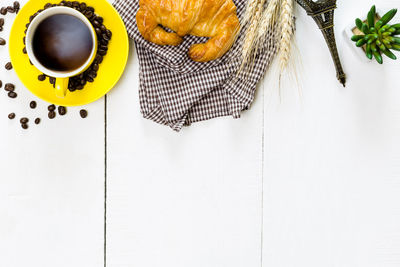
{"x": 250, "y": 40}
{"x": 287, "y": 31}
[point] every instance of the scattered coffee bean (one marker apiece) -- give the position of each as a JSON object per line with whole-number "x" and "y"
{"x": 42, "y": 77}
{"x": 8, "y": 66}
{"x": 83, "y": 113}
{"x": 2, "y": 41}
{"x": 1, "y": 22}
{"x": 52, "y": 80}
{"x": 9, "y": 87}
{"x": 37, "y": 120}
{"x": 11, "y": 116}
{"x": 3, "y": 11}
{"x": 24, "y": 120}
{"x": 24, "y": 126}
{"x": 12, "y": 94}
{"x": 51, "y": 108}
{"x": 10, "y": 9}
{"x": 16, "y": 5}
{"x": 52, "y": 115}
{"x": 62, "y": 110}
{"x": 33, "y": 104}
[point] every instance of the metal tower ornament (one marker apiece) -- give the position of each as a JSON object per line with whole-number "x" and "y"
{"x": 322, "y": 11}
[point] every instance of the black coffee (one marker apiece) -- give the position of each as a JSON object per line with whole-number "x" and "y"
{"x": 62, "y": 43}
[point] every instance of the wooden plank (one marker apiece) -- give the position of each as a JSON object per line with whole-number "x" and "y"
{"x": 332, "y": 160}
{"x": 181, "y": 199}
{"x": 51, "y": 182}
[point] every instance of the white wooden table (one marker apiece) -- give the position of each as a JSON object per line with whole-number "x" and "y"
{"x": 311, "y": 180}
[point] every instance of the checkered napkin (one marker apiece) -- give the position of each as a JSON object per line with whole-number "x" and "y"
{"x": 176, "y": 91}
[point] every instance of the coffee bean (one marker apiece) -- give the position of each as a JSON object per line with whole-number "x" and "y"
{"x": 2, "y": 41}
{"x": 62, "y": 110}
{"x": 92, "y": 75}
{"x": 24, "y": 126}
{"x": 82, "y": 6}
{"x": 1, "y": 28}
{"x": 1, "y": 83}
{"x": 16, "y": 5}
{"x": 42, "y": 77}
{"x": 48, "y": 5}
{"x": 9, "y": 87}
{"x": 27, "y": 25}
{"x": 52, "y": 115}
{"x": 12, "y": 94}
{"x": 95, "y": 67}
{"x": 105, "y": 37}
{"x": 89, "y": 14}
{"x": 1, "y": 22}
{"x": 96, "y": 24}
{"x": 24, "y": 40}
{"x": 83, "y": 113}
{"x": 3, "y": 11}
{"x": 89, "y": 79}
{"x": 8, "y": 66}
{"x": 37, "y": 120}
{"x": 109, "y": 33}
{"x": 103, "y": 28}
{"x": 99, "y": 59}
{"x": 102, "y": 52}
{"x": 10, "y": 9}
{"x": 11, "y": 116}
{"x": 24, "y": 120}
{"x": 30, "y": 62}
{"x": 33, "y": 104}
{"x": 100, "y": 19}
{"x": 103, "y": 42}
{"x": 51, "y": 108}
{"x": 24, "y": 50}
{"x": 52, "y": 80}
{"x": 90, "y": 9}
{"x": 98, "y": 31}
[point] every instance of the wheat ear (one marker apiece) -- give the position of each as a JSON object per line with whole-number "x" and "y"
{"x": 268, "y": 18}
{"x": 287, "y": 32}
{"x": 250, "y": 11}
{"x": 250, "y": 40}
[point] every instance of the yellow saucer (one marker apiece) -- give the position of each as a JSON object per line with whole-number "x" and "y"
{"x": 110, "y": 70}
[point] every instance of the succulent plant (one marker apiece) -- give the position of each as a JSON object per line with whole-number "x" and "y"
{"x": 378, "y": 36}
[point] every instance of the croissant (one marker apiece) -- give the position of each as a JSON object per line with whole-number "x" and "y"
{"x": 216, "y": 19}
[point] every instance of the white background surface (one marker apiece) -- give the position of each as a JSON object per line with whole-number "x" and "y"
{"x": 302, "y": 181}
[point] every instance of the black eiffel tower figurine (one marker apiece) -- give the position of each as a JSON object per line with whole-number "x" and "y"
{"x": 322, "y": 12}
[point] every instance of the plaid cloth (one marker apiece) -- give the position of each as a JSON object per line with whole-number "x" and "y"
{"x": 176, "y": 91}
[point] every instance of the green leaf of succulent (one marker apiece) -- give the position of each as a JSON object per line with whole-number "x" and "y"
{"x": 355, "y": 38}
{"x": 371, "y": 17}
{"x": 396, "y": 47}
{"x": 378, "y": 25}
{"x": 389, "y": 54}
{"x": 361, "y": 42}
{"x": 369, "y": 51}
{"x": 378, "y": 57}
{"x": 359, "y": 24}
{"x": 365, "y": 28}
{"x": 388, "y": 16}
